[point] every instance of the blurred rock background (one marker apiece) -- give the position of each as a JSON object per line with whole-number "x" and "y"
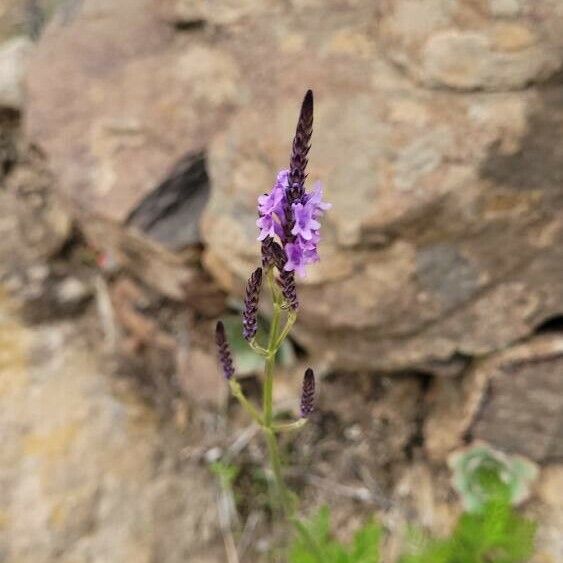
{"x": 135, "y": 137}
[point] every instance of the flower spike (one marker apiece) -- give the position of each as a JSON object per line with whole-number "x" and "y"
{"x": 300, "y": 149}
{"x": 290, "y": 215}
{"x": 224, "y": 352}
{"x": 308, "y": 394}
{"x": 250, "y": 313}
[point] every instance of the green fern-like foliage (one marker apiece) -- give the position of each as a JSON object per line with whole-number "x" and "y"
{"x": 490, "y": 531}
{"x": 496, "y": 534}
{"x": 364, "y": 547}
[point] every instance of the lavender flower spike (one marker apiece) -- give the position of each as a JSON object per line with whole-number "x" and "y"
{"x": 225, "y": 356}
{"x": 300, "y": 149}
{"x": 250, "y": 313}
{"x": 308, "y": 394}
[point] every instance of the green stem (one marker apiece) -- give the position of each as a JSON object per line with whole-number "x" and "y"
{"x": 290, "y": 426}
{"x": 257, "y": 348}
{"x": 247, "y": 405}
{"x": 275, "y": 340}
{"x": 284, "y": 497}
{"x": 271, "y": 358}
{"x": 289, "y": 323}
{"x": 282, "y": 493}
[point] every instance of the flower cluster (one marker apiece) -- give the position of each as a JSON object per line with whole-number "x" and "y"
{"x": 296, "y": 224}
{"x": 288, "y": 212}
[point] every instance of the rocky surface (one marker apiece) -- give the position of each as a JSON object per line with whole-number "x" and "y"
{"x": 437, "y": 135}
{"x": 85, "y": 473}
{"x": 426, "y": 238}
{"x": 13, "y": 58}
{"x": 138, "y": 101}
{"x": 468, "y": 45}
{"x": 513, "y": 400}
{"x": 445, "y": 236}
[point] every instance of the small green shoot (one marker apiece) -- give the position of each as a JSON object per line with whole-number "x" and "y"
{"x": 364, "y": 547}
{"x": 225, "y": 472}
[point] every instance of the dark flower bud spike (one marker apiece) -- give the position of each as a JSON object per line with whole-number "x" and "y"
{"x": 250, "y": 313}
{"x": 266, "y": 251}
{"x": 224, "y": 352}
{"x": 300, "y": 148}
{"x": 308, "y": 394}
{"x": 289, "y": 290}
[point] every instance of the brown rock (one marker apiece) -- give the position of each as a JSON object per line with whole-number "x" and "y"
{"x": 464, "y": 45}
{"x": 514, "y": 400}
{"x": 85, "y": 472}
{"x": 430, "y": 231}
{"x": 134, "y": 103}
{"x": 445, "y": 236}
{"x": 200, "y": 377}
{"x": 13, "y": 58}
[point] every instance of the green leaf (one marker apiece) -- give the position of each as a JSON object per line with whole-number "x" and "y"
{"x": 365, "y": 547}
{"x": 495, "y": 534}
{"x": 225, "y": 472}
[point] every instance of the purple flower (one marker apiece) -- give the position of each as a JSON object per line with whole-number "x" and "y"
{"x": 268, "y": 226}
{"x": 272, "y": 202}
{"x": 271, "y": 209}
{"x": 295, "y": 258}
{"x": 301, "y": 241}
{"x": 288, "y": 212}
{"x": 315, "y": 200}
{"x": 305, "y": 224}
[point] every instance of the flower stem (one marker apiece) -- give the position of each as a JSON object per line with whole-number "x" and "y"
{"x": 266, "y": 419}
{"x": 281, "y": 491}
{"x": 292, "y": 316}
{"x": 290, "y": 426}
{"x": 257, "y": 348}
{"x": 271, "y": 354}
{"x": 248, "y": 406}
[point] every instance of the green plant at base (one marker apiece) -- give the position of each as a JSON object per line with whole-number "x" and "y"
{"x": 481, "y": 473}
{"x": 364, "y": 547}
{"x": 491, "y": 530}
{"x": 497, "y": 534}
